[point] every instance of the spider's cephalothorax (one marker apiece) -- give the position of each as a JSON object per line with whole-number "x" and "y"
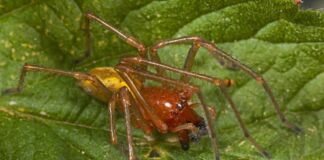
{"x": 173, "y": 108}
{"x": 163, "y": 108}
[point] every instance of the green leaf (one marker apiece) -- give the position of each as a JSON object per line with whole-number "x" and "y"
{"x": 53, "y": 119}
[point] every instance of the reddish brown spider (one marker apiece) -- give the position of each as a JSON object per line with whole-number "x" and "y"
{"x": 298, "y": 2}
{"x": 163, "y": 108}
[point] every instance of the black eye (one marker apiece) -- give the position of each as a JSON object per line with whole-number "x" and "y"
{"x": 181, "y": 104}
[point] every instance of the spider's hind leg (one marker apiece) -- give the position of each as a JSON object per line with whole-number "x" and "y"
{"x": 224, "y": 59}
{"x": 123, "y": 36}
{"x": 213, "y": 50}
{"x": 34, "y": 68}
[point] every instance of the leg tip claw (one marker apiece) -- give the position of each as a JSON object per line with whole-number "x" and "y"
{"x": 86, "y": 55}
{"x": 9, "y": 91}
{"x": 77, "y": 61}
{"x": 297, "y": 130}
{"x": 266, "y": 154}
{"x": 217, "y": 157}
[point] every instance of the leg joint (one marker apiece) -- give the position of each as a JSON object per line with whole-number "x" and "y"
{"x": 154, "y": 49}
{"x": 260, "y": 79}
{"x": 195, "y": 39}
{"x": 27, "y": 67}
{"x": 89, "y": 15}
{"x": 134, "y": 42}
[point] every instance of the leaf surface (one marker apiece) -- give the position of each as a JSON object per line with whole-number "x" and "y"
{"x": 53, "y": 119}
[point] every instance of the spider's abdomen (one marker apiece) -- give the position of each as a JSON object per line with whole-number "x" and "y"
{"x": 171, "y": 106}
{"x": 109, "y": 77}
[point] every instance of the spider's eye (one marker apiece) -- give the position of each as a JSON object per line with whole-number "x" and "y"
{"x": 181, "y": 104}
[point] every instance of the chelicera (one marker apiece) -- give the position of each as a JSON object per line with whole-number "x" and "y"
{"x": 163, "y": 108}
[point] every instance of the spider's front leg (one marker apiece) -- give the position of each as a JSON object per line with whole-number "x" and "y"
{"x": 213, "y": 50}
{"x": 195, "y": 45}
{"x": 223, "y": 58}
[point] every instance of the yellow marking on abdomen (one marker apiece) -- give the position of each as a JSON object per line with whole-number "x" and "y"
{"x": 109, "y": 77}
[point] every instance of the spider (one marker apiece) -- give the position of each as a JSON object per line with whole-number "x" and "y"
{"x": 162, "y": 108}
